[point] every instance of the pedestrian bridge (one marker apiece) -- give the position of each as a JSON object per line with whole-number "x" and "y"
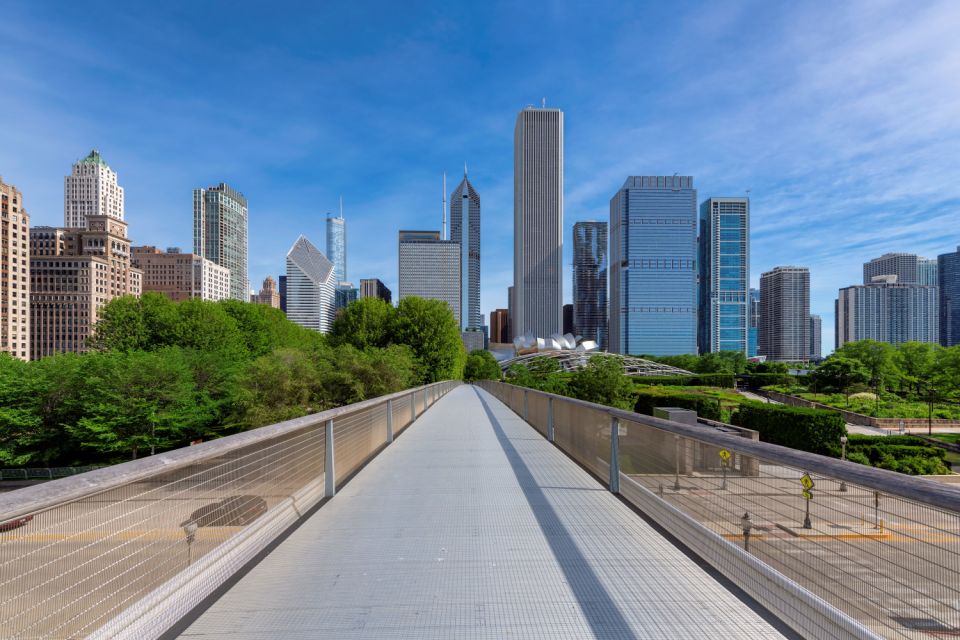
{"x": 491, "y": 511}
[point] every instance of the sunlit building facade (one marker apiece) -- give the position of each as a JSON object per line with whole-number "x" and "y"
{"x": 465, "y": 229}
{"x": 653, "y": 266}
{"x": 220, "y": 222}
{"x": 14, "y": 273}
{"x": 311, "y": 289}
{"x": 724, "y": 252}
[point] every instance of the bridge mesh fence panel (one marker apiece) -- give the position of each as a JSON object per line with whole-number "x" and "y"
{"x": 69, "y": 569}
{"x": 890, "y": 562}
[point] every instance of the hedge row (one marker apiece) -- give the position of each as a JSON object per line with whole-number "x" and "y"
{"x": 758, "y": 380}
{"x": 813, "y": 430}
{"x": 705, "y": 406}
{"x": 725, "y": 380}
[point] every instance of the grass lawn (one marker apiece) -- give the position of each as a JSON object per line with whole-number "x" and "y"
{"x": 891, "y": 406}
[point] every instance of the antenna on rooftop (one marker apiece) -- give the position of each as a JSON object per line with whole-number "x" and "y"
{"x": 443, "y": 234}
{"x": 341, "y": 206}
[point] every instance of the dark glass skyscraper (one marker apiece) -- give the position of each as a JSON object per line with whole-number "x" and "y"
{"x": 653, "y": 266}
{"x": 724, "y": 249}
{"x": 465, "y": 205}
{"x": 590, "y": 259}
{"x": 948, "y": 280}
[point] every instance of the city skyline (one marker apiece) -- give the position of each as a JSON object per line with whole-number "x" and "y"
{"x": 867, "y": 174}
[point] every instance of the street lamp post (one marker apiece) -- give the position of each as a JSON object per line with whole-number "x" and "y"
{"x": 930, "y": 400}
{"x": 843, "y": 456}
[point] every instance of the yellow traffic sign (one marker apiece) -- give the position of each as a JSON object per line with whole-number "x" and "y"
{"x": 807, "y": 481}
{"x": 724, "y": 455}
{"x": 808, "y": 495}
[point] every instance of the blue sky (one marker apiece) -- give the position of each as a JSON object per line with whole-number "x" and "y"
{"x": 842, "y": 119}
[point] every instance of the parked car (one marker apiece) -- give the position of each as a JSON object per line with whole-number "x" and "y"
{"x": 16, "y": 523}
{"x": 229, "y": 512}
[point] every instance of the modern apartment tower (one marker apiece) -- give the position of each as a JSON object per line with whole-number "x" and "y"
{"x": 91, "y": 189}
{"x": 337, "y": 246}
{"x": 465, "y": 229}
{"x": 181, "y": 276}
{"x": 785, "y": 314}
{"x": 816, "y": 336}
{"x": 538, "y": 222}
{"x": 653, "y": 266}
{"x": 887, "y": 311}
{"x": 14, "y": 274}
{"x": 430, "y": 268}
{"x": 590, "y": 262}
{"x": 220, "y": 223}
{"x": 948, "y": 281}
{"x": 311, "y": 288}
{"x": 724, "y": 295}
{"x": 908, "y": 267}
{"x": 73, "y": 274}
{"x": 374, "y": 288}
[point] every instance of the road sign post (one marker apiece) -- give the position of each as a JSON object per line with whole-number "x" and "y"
{"x": 807, "y": 483}
{"x": 724, "y": 460}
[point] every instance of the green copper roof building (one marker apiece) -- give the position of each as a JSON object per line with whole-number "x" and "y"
{"x": 91, "y": 189}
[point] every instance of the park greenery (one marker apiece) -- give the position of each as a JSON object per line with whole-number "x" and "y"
{"x": 815, "y": 430}
{"x": 161, "y": 374}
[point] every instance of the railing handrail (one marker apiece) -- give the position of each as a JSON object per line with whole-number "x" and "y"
{"x": 36, "y": 498}
{"x": 918, "y": 489}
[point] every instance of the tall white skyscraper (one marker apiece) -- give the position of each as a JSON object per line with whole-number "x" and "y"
{"x": 91, "y": 190}
{"x": 538, "y": 222}
{"x": 337, "y": 246}
{"x": 311, "y": 288}
{"x": 465, "y": 206}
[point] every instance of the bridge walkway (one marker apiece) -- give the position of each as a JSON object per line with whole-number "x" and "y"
{"x": 472, "y": 525}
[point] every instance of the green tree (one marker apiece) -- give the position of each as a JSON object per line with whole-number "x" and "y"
{"x": 722, "y": 362}
{"x": 916, "y": 361}
{"x": 602, "y": 381}
{"x": 947, "y": 377}
{"x": 481, "y": 365}
{"x": 365, "y": 323}
{"x": 839, "y": 372}
{"x": 278, "y": 386}
{"x": 877, "y": 358}
{"x": 430, "y": 330}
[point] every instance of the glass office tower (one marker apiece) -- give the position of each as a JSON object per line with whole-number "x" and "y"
{"x": 753, "y": 332}
{"x": 465, "y": 229}
{"x": 337, "y": 246}
{"x": 948, "y": 279}
{"x": 724, "y": 305}
{"x": 220, "y": 219}
{"x": 653, "y": 266}
{"x": 590, "y": 281}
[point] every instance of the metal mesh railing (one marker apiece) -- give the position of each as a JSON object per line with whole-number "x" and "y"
{"x": 836, "y": 549}
{"x": 88, "y": 553}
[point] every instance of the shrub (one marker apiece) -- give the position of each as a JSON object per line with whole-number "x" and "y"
{"x": 724, "y": 380}
{"x": 813, "y": 430}
{"x": 705, "y": 406}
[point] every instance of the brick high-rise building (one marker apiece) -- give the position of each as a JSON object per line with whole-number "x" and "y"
{"x": 14, "y": 274}
{"x": 269, "y": 295}
{"x": 181, "y": 276}
{"x": 499, "y": 326}
{"x": 73, "y": 274}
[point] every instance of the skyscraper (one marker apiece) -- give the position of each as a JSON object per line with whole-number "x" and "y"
{"x": 724, "y": 306}
{"x": 310, "y": 287}
{"x": 816, "y": 334}
{"x": 785, "y": 314}
{"x": 590, "y": 260}
{"x": 220, "y": 220}
{"x": 14, "y": 273}
{"x": 430, "y": 268}
{"x": 887, "y": 311}
{"x": 753, "y": 332}
{"x": 568, "y": 326}
{"x": 948, "y": 281}
{"x": 282, "y": 286}
{"x": 465, "y": 206}
{"x": 653, "y": 266}
{"x": 268, "y": 294}
{"x": 908, "y": 267}
{"x": 374, "y": 288}
{"x": 91, "y": 190}
{"x": 337, "y": 246}
{"x": 538, "y": 222}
